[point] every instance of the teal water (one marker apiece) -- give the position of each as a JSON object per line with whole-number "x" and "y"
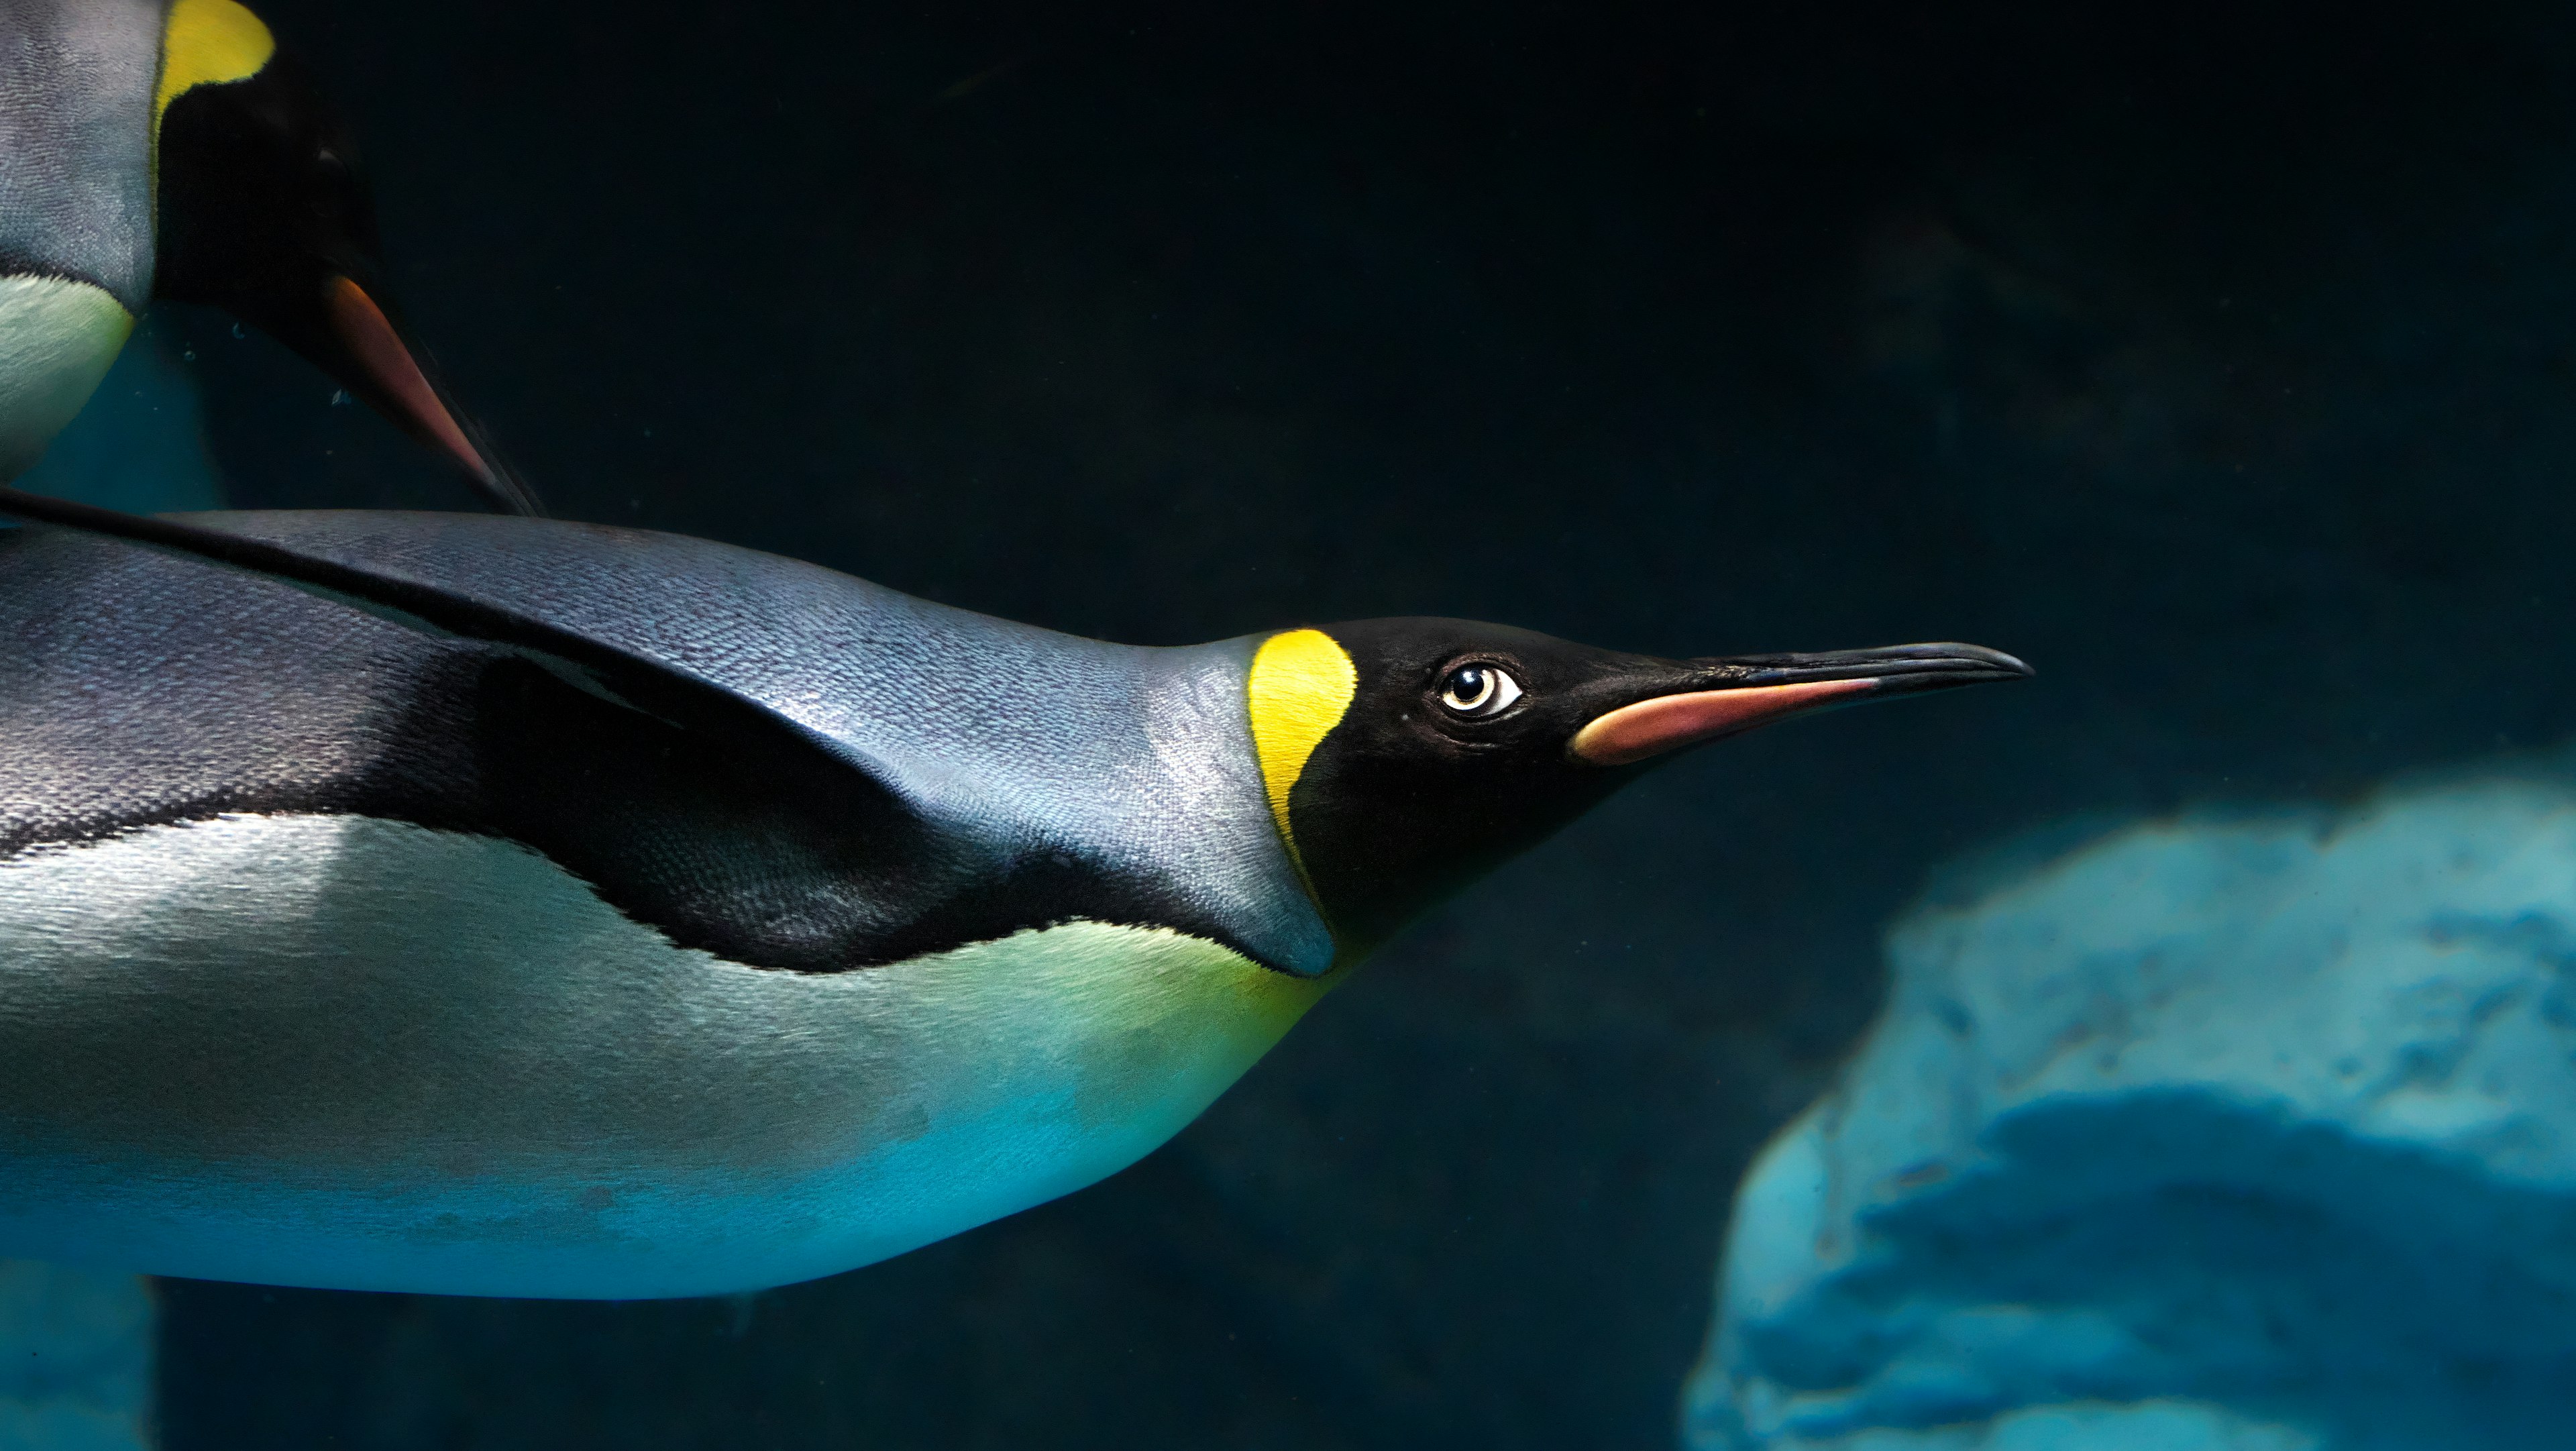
{"x": 2215, "y": 359}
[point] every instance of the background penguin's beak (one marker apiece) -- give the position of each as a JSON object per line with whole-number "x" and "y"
{"x": 383, "y": 359}
{"x": 1714, "y": 698}
{"x": 339, "y": 325}
{"x": 366, "y": 350}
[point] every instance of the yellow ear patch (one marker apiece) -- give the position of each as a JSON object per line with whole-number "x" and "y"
{"x": 206, "y": 43}
{"x": 1301, "y": 683}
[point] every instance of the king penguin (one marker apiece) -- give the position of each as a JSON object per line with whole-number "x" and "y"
{"x": 167, "y": 149}
{"x": 501, "y": 906}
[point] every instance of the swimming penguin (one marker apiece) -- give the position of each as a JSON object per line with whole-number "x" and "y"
{"x": 166, "y": 149}
{"x": 471, "y": 904}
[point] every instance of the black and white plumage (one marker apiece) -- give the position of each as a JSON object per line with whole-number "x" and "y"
{"x": 505, "y": 907}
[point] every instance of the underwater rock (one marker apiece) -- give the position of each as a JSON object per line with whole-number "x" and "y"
{"x": 2251, "y": 1133}
{"x": 75, "y": 1359}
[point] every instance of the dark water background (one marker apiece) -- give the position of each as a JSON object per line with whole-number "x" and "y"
{"x": 2220, "y": 358}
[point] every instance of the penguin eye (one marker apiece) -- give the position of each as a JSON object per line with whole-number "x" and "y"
{"x": 1479, "y": 690}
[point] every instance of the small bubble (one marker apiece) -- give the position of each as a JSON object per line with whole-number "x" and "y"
{"x": 237, "y": 331}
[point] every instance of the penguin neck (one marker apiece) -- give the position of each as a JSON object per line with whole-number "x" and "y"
{"x": 76, "y": 141}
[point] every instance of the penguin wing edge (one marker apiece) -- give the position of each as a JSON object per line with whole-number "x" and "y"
{"x": 764, "y": 843}
{"x": 623, "y": 676}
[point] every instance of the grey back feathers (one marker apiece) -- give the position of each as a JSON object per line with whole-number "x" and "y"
{"x": 769, "y": 760}
{"x": 77, "y": 79}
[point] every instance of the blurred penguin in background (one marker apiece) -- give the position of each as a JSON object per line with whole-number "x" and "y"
{"x": 167, "y": 149}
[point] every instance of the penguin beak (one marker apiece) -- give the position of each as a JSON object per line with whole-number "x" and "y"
{"x": 1727, "y": 697}
{"x": 379, "y": 364}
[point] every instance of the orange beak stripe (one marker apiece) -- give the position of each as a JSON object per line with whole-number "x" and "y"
{"x": 379, "y": 349}
{"x": 1652, "y": 727}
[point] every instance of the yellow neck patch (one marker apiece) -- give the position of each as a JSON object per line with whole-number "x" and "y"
{"x": 206, "y": 43}
{"x": 1301, "y": 683}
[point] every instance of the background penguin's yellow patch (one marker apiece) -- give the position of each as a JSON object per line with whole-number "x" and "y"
{"x": 1301, "y": 683}
{"x": 209, "y": 42}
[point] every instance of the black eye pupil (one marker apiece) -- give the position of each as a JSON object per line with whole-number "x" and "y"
{"x": 1468, "y": 683}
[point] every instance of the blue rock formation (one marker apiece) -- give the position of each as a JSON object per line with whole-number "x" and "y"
{"x": 2255, "y": 1133}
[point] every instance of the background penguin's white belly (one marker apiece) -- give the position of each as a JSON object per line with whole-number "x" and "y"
{"x": 57, "y": 339}
{"x": 340, "y": 1051}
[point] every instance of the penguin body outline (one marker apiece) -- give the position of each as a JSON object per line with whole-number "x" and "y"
{"x": 820, "y": 1113}
{"x": 306, "y": 978}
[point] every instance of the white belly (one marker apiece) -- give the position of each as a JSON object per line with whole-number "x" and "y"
{"x": 345, "y": 1052}
{"x": 57, "y": 339}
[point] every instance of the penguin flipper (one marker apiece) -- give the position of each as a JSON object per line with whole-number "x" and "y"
{"x": 630, "y": 678}
{"x": 769, "y": 844}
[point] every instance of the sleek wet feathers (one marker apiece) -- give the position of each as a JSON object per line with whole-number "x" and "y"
{"x": 454, "y": 903}
{"x": 905, "y": 777}
{"x": 764, "y": 924}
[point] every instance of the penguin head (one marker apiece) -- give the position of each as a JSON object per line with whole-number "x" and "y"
{"x": 262, "y": 210}
{"x": 1405, "y": 757}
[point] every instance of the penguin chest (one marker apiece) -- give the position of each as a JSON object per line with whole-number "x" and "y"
{"x": 335, "y": 1050}
{"x": 57, "y": 338}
